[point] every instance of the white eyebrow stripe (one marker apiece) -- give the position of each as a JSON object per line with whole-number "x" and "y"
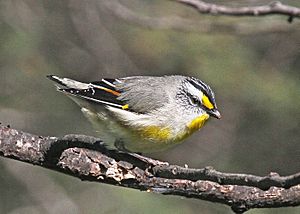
{"x": 108, "y": 83}
{"x": 195, "y": 91}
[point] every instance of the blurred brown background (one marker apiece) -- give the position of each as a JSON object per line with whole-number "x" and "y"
{"x": 251, "y": 63}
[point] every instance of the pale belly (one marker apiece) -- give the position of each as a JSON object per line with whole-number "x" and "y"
{"x": 155, "y": 139}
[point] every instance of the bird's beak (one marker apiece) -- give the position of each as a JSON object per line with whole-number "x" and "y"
{"x": 215, "y": 113}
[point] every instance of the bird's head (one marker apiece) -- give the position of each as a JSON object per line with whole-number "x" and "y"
{"x": 197, "y": 97}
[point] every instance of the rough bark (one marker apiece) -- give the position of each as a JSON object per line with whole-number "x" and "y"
{"x": 87, "y": 158}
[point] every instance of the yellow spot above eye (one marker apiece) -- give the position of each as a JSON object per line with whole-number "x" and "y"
{"x": 124, "y": 107}
{"x": 206, "y": 102}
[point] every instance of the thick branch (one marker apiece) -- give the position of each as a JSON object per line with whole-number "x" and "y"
{"x": 88, "y": 159}
{"x": 275, "y": 7}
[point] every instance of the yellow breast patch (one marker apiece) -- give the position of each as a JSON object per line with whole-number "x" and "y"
{"x": 193, "y": 126}
{"x": 155, "y": 133}
{"x": 197, "y": 123}
{"x": 164, "y": 135}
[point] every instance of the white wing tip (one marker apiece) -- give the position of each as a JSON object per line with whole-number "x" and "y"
{"x": 69, "y": 83}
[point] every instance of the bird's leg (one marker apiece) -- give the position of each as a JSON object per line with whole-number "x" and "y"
{"x": 119, "y": 144}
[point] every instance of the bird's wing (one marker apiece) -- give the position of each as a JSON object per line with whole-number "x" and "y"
{"x": 144, "y": 94}
{"x": 102, "y": 92}
{"x": 138, "y": 94}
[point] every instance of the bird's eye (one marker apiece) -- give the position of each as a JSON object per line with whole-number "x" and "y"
{"x": 193, "y": 100}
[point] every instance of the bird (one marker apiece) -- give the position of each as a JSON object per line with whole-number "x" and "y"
{"x": 143, "y": 114}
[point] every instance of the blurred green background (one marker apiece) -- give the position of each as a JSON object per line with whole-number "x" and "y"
{"x": 252, "y": 64}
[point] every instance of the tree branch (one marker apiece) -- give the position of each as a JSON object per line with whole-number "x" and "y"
{"x": 208, "y": 173}
{"x": 186, "y": 25}
{"x": 275, "y": 7}
{"x": 87, "y": 158}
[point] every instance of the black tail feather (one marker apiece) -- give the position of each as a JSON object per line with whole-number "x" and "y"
{"x": 101, "y": 92}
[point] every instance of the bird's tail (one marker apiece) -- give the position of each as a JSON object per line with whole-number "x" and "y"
{"x": 102, "y": 92}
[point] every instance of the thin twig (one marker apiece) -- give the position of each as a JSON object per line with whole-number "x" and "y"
{"x": 178, "y": 23}
{"x": 275, "y": 7}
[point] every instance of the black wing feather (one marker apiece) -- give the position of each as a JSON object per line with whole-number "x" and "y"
{"x": 101, "y": 92}
{"x": 95, "y": 95}
{"x": 107, "y": 83}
